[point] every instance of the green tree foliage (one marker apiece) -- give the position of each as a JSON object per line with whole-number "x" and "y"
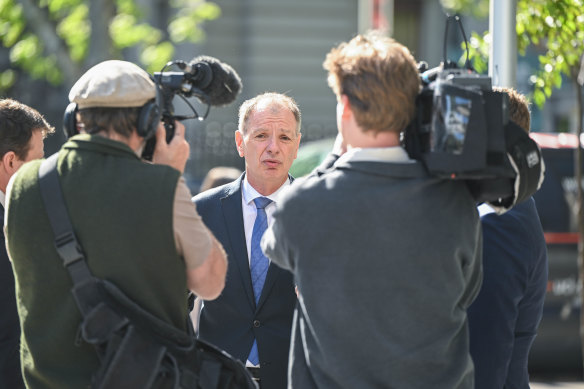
{"x": 57, "y": 40}
{"x": 555, "y": 27}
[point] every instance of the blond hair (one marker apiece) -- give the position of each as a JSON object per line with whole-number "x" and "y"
{"x": 380, "y": 78}
{"x": 518, "y": 107}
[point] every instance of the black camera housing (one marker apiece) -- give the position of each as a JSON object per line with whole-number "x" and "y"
{"x": 212, "y": 82}
{"x": 170, "y": 84}
{"x": 462, "y": 130}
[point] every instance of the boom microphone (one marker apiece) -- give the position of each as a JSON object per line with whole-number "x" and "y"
{"x": 211, "y": 81}
{"x": 219, "y": 81}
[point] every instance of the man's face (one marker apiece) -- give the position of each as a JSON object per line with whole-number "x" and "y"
{"x": 35, "y": 149}
{"x": 269, "y": 146}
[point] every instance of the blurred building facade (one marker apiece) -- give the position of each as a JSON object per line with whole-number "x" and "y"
{"x": 279, "y": 45}
{"x": 274, "y": 45}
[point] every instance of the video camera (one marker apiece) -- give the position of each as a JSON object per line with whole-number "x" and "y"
{"x": 462, "y": 131}
{"x": 214, "y": 83}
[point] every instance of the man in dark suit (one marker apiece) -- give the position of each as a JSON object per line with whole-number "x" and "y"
{"x": 504, "y": 318}
{"x": 252, "y": 318}
{"x": 22, "y": 130}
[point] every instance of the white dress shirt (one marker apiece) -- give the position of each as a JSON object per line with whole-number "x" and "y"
{"x": 248, "y": 194}
{"x": 485, "y": 209}
{"x": 395, "y": 154}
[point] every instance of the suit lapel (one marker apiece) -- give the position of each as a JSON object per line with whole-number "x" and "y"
{"x": 233, "y": 217}
{"x": 2, "y": 220}
{"x": 273, "y": 273}
{"x": 271, "y": 277}
{"x": 2, "y": 215}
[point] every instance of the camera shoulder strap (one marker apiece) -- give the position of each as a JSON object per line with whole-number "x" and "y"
{"x": 100, "y": 323}
{"x": 131, "y": 357}
{"x": 66, "y": 243}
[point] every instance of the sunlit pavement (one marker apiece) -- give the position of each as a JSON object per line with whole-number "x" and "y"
{"x": 557, "y": 385}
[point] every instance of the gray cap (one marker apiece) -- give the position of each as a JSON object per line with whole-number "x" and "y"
{"x": 113, "y": 84}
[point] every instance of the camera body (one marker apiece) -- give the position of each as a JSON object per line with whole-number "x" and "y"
{"x": 169, "y": 84}
{"x": 462, "y": 130}
{"x": 212, "y": 82}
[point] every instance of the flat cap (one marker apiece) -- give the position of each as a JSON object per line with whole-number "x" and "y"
{"x": 112, "y": 84}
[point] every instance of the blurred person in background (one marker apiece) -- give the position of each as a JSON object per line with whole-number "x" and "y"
{"x": 219, "y": 175}
{"x": 504, "y": 318}
{"x": 22, "y": 133}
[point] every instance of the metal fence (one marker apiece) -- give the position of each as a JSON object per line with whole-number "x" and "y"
{"x": 213, "y": 144}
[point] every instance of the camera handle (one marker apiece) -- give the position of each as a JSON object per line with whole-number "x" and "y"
{"x": 446, "y": 61}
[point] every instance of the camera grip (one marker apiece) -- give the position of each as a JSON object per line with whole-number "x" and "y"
{"x": 148, "y": 151}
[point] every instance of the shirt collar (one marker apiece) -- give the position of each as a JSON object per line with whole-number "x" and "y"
{"x": 249, "y": 193}
{"x": 375, "y": 154}
{"x": 485, "y": 209}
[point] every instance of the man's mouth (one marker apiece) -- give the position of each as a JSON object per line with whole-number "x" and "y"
{"x": 272, "y": 163}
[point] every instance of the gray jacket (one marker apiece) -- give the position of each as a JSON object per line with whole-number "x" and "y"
{"x": 386, "y": 260}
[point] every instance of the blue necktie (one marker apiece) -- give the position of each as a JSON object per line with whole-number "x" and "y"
{"x": 259, "y": 262}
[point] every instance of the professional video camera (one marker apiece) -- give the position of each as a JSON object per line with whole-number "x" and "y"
{"x": 211, "y": 81}
{"x": 214, "y": 83}
{"x": 462, "y": 131}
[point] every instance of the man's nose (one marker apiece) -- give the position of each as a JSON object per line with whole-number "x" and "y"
{"x": 273, "y": 146}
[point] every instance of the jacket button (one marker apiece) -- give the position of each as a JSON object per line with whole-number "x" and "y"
{"x": 256, "y": 323}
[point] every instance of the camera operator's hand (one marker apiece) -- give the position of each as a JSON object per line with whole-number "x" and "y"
{"x": 175, "y": 153}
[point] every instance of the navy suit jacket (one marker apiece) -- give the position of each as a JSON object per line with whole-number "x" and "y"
{"x": 10, "y": 373}
{"x": 232, "y": 321}
{"x": 503, "y": 319}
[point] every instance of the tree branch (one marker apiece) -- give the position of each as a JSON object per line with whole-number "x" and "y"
{"x": 101, "y": 13}
{"x": 39, "y": 23}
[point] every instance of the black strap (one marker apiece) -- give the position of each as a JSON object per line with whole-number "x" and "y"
{"x": 66, "y": 243}
{"x": 136, "y": 360}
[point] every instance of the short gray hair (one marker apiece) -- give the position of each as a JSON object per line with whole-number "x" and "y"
{"x": 248, "y": 106}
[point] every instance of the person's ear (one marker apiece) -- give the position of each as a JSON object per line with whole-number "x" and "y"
{"x": 239, "y": 143}
{"x": 9, "y": 160}
{"x": 297, "y": 145}
{"x": 347, "y": 111}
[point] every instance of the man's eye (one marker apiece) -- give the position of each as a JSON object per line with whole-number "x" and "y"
{"x": 285, "y": 137}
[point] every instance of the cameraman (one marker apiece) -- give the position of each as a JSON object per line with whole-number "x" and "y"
{"x": 134, "y": 221}
{"x": 386, "y": 258}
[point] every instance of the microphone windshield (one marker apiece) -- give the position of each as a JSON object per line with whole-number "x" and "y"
{"x": 225, "y": 83}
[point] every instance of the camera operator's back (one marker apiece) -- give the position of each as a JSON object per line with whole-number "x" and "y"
{"x": 385, "y": 270}
{"x": 386, "y": 258}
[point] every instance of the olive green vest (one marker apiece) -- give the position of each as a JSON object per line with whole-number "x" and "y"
{"x": 121, "y": 210}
